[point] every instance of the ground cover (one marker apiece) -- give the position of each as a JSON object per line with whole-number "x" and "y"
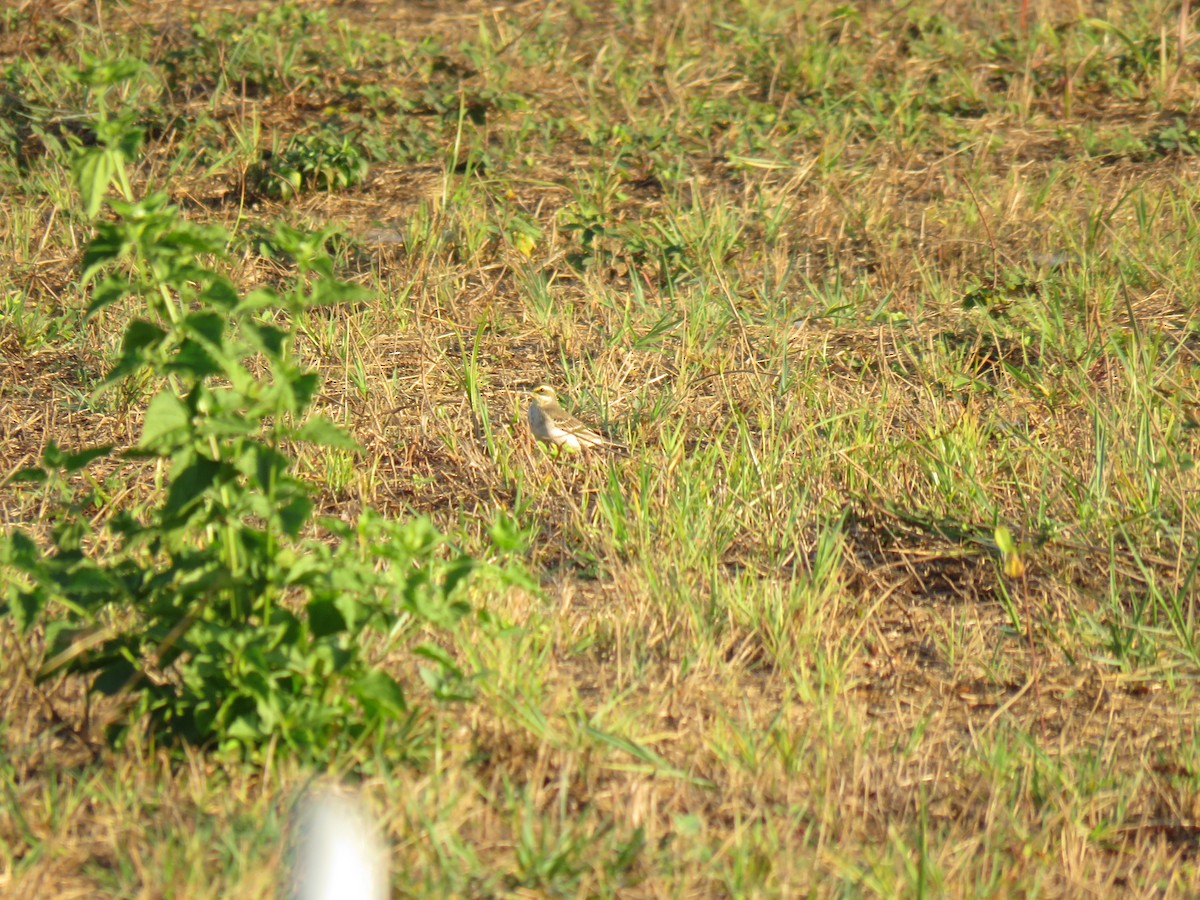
{"x": 894, "y": 306}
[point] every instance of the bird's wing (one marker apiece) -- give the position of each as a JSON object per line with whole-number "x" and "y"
{"x": 594, "y": 438}
{"x": 585, "y": 434}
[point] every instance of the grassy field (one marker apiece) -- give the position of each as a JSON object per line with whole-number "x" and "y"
{"x": 894, "y": 304}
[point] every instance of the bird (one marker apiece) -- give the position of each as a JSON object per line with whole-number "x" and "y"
{"x": 552, "y": 424}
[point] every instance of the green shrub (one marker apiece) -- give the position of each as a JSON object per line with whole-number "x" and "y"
{"x": 215, "y": 615}
{"x": 317, "y": 162}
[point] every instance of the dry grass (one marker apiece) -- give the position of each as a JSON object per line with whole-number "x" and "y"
{"x": 774, "y": 652}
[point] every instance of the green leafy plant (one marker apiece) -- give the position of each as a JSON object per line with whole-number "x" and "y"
{"x": 604, "y": 242}
{"x": 316, "y": 162}
{"x": 1175, "y": 138}
{"x": 267, "y": 53}
{"x": 996, "y": 297}
{"x": 212, "y": 614}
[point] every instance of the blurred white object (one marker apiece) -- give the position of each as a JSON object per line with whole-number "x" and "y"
{"x": 337, "y": 851}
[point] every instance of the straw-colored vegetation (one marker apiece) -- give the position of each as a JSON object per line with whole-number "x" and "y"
{"x": 894, "y": 304}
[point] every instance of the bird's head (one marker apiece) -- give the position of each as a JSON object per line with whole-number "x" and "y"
{"x": 544, "y": 392}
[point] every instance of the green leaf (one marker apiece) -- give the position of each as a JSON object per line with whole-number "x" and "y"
{"x": 438, "y": 655}
{"x": 266, "y": 465}
{"x": 139, "y": 335}
{"x": 354, "y": 611}
{"x": 128, "y": 141}
{"x": 189, "y": 485}
{"x": 1004, "y": 540}
{"x": 258, "y": 299}
{"x": 220, "y": 292}
{"x": 21, "y": 551}
{"x": 507, "y": 535}
{"x": 73, "y": 462}
{"x": 93, "y": 170}
{"x": 303, "y": 387}
{"x": 208, "y": 326}
{"x": 324, "y": 432}
{"x": 88, "y": 584}
{"x": 456, "y": 571}
{"x": 115, "y": 674}
{"x": 329, "y": 292}
{"x": 68, "y": 534}
{"x": 246, "y": 729}
{"x": 294, "y": 514}
{"x": 52, "y": 454}
{"x": 109, "y": 72}
{"x": 167, "y": 420}
{"x": 432, "y": 609}
{"x": 192, "y": 359}
{"x": 380, "y": 694}
{"x": 108, "y": 291}
{"x": 109, "y": 243}
{"x": 324, "y": 618}
{"x": 28, "y": 475}
{"x": 446, "y": 686}
{"x": 267, "y": 338}
{"x": 27, "y": 607}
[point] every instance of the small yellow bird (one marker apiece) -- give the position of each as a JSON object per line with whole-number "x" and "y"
{"x": 552, "y": 424}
